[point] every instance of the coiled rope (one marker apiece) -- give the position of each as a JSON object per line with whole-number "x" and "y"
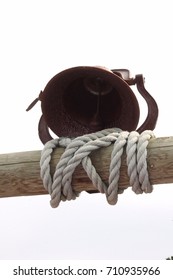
{"x": 77, "y": 151}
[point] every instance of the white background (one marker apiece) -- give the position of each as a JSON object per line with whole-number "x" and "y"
{"x": 40, "y": 38}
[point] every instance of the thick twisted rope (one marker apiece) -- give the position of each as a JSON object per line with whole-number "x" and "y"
{"x": 77, "y": 151}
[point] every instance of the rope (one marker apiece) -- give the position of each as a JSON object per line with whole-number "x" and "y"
{"x": 77, "y": 152}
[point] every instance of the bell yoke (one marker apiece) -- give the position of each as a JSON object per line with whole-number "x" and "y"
{"x": 86, "y": 99}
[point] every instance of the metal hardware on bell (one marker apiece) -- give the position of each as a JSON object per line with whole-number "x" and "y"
{"x": 85, "y": 99}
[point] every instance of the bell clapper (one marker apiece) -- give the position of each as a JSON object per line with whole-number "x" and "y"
{"x": 97, "y": 121}
{"x": 98, "y": 87}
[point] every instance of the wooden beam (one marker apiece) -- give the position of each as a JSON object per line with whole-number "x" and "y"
{"x": 20, "y": 172}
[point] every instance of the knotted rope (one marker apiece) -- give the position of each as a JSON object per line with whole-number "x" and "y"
{"x": 77, "y": 151}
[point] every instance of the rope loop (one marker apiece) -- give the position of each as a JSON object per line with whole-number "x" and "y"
{"x": 77, "y": 152}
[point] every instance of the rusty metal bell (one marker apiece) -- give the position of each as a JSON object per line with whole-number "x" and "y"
{"x": 85, "y": 99}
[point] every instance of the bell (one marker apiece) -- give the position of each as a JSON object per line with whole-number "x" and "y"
{"x": 83, "y": 100}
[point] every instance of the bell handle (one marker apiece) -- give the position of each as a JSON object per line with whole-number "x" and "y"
{"x": 151, "y": 119}
{"x": 43, "y": 131}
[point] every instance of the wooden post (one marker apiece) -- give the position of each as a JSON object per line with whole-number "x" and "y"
{"x": 20, "y": 172}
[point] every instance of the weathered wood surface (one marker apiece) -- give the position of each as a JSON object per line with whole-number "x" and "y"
{"x": 20, "y": 172}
